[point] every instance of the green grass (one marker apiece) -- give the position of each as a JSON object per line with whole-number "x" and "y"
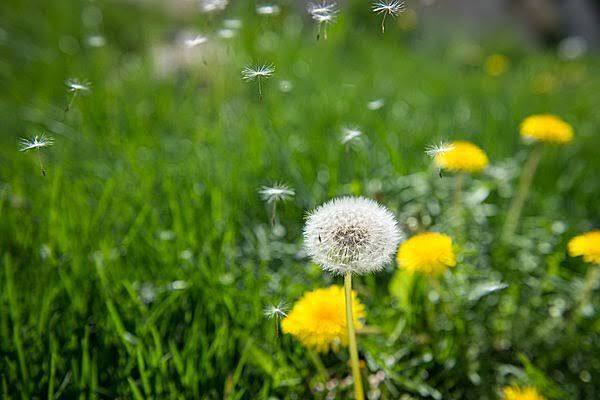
{"x": 153, "y": 179}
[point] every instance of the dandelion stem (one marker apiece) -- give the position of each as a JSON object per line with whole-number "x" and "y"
{"x": 516, "y": 207}
{"x": 321, "y": 370}
{"x": 71, "y": 101}
{"x": 458, "y": 184}
{"x": 352, "y": 344}
{"x": 383, "y": 23}
{"x": 39, "y": 155}
{"x": 589, "y": 284}
{"x": 273, "y": 214}
{"x": 591, "y": 280}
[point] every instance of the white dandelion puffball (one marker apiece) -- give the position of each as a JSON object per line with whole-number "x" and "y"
{"x": 351, "y": 234}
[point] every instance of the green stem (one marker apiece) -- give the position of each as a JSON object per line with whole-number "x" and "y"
{"x": 458, "y": 184}
{"x": 591, "y": 279}
{"x": 260, "y": 95}
{"x": 71, "y": 102}
{"x": 321, "y": 370}
{"x": 516, "y": 207}
{"x": 273, "y": 214}
{"x": 352, "y": 344}
{"x": 39, "y": 155}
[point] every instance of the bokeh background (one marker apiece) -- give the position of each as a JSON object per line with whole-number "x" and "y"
{"x": 140, "y": 265}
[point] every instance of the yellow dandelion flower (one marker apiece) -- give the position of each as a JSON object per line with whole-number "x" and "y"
{"x": 429, "y": 253}
{"x": 546, "y": 128}
{"x": 462, "y": 156}
{"x": 318, "y": 319}
{"x": 586, "y": 245}
{"x": 497, "y": 64}
{"x": 516, "y": 393}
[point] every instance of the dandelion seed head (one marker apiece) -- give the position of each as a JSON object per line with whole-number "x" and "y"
{"x": 390, "y": 7}
{"x": 318, "y": 318}
{"x": 76, "y": 85}
{"x": 252, "y": 72}
{"x": 350, "y": 133}
{"x": 439, "y": 148}
{"x": 586, "y": 245}
{"x": 36, "y": 142}
{"x": 278, "y": 310}
{"x": 278, "y": 192}
{"x": 351, "y": 234}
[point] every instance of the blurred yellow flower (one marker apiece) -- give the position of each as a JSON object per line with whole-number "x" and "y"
{"x": 546, "y": 128}
{"x": 496, "y": 64}
{"x": 318, "y": 319}
{"x": 462, "y": 156}
{"x": 516, "y": 393}
{"x": 586, "y": 245}
{"x": 429, "y": 253}
{"x": 543, "y": 83}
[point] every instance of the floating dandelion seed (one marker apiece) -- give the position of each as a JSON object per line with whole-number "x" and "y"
{"x": 76, "y": 86}
{"x": 226, "y": 33}
{"x": 323, "y": 7}
{"x": 232, "y": 23}
{"x": 276, "y": 312}
{"x": 440, "y": 148}
{"x": 375, "y": 104}
{"x": 197, "y": 40}
{"x": 268, "y": 9}
{"x": 258, "y": 73}
{"x": 209, "y": 6}
{"x": 274, "y": 194}
{"x": 324, "y": 13}
{"x": 388, "y": 7}
{"x": 350, "y": 134}
{"x": 435, "y": 150}
{"x": 36, "y": 143}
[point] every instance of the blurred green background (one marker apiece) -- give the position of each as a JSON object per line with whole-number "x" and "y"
{"x": 140, "y": 265}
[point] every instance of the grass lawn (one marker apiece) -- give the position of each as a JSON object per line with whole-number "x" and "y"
{"x": 140, "y": 264}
